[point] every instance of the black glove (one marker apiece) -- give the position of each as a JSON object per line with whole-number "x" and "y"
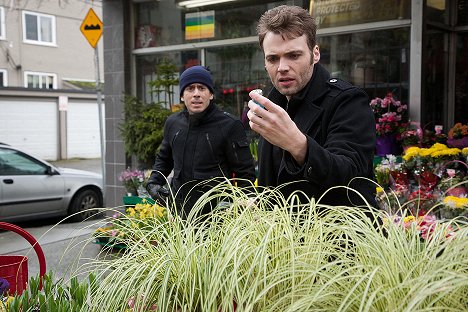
{"x": 158, "y": 193}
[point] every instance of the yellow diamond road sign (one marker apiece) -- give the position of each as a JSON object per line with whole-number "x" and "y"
{"x": 92, "y": 28}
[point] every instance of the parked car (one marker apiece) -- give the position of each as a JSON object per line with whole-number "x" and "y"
{"x": 31, "y": 188}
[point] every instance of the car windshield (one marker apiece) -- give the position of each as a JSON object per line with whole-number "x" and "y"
{"x": 16, "y": 163}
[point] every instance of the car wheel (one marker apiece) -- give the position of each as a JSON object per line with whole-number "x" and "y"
{"x": 81, "y": 208}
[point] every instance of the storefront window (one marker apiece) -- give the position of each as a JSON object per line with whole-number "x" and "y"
{"x": 237, "y": 70}
{"x": 462, "y": 13}
{"x": 377, "y": 61}
{"x": 348, "y": 12}
{"x": 437, "y": 11}
{"x": 461, "y": 80}
{"x": 434, "y": 78}
{"x": 162, "y": 23}
{"x": 151, "y": 68}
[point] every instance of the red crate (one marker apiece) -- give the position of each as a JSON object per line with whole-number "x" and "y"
{"x": 14, "y": 268}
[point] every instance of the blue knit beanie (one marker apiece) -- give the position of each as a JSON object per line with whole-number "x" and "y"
{"x": 195, "y": 74}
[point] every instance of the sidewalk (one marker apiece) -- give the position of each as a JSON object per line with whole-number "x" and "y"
{"x": 67, "y": 247}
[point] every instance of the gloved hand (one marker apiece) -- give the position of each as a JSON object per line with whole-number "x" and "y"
{"x": 158, "y": 192}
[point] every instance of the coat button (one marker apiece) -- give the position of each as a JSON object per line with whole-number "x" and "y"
{"x": 309, "y": 171}
{"x": 333, "y": 80}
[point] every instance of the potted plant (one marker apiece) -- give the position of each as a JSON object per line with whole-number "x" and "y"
{"x": 122, "y": 227}
{"x": 142, "y": 129}
{"x": 458, "y": 136}
{"x": 133, "y": 180}
{"x": 411, "y": 135}
{"x": 389, "y": 115}
{"x": 454, "y": 182}
{"x": 454, "y": 207}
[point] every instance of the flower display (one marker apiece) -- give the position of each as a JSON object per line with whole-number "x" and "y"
{"x": 454, "y": 206}
{"x": 382, "y": 170}
{"x": 132, "y": 180}
{"x": 389, "y": 114}
{"x": 432, "y": 137}
{"x": 458, "y": 131}
{"x": 433, "y": 157}
{"x": 141, "y": 216}
{"x": 458, "y": 136}
{"x": 411, "y": 135}
{"x": 427, "y": 179}
{"x": 456, "y": 202}
{"x": 425, "y": 225}
{"x": 420, "y": 201}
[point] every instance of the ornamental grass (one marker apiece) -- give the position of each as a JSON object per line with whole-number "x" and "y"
{"x": 263, "y": 252}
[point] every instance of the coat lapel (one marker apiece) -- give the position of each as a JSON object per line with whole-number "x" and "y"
{"x": 307, "y": 116}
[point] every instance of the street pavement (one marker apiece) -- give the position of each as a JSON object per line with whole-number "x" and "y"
{"x": 66, "y": 246}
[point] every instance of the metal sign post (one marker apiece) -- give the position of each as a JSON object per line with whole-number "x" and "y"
{"x": 92, "y": 30}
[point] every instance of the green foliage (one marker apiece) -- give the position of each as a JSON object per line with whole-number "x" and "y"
{"x": 54, "y": 296}
{"x": 166, "y": 80}
{"x": 143, "y": 128}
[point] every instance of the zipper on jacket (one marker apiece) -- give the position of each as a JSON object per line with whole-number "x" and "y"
{"x": 211, "y": 148}
{"x": 175, "y": 137}
{"x": 235, "y": 151}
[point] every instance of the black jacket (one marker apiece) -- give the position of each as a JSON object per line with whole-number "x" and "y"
{"x": 201, "y": 147}
{"x": 340, "y": 128}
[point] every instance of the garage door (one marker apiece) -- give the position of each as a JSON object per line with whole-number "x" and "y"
{"x": 31, "y": 126}
{"x": 83, "y": 130}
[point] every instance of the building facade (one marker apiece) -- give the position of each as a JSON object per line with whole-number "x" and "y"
{"x": 41, "y": 45}
{"x": 416, "y": 49}
{"x": 48, "y": 72}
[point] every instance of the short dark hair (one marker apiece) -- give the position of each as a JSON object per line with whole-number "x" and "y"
{"x": 288, "y": 21}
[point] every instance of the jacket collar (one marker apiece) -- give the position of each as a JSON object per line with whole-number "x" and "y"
{"x": 200, "y": 118}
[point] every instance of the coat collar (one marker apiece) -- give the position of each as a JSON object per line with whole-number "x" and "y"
{"x": 203, "y": 117}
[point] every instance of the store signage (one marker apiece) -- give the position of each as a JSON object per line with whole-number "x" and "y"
{"x": 332, "y": 13}
{"x": 200, "y": 25}
{"x": 92, "y": 28}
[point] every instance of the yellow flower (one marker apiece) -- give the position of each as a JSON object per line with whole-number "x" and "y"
{"x": 411, "y": 152}
{"x": 465, "y": 151}
{"x": 159, "y": 211}
{"x": 409, "y": 219}
{"x": 424, "y": 152}
{"x": 445, "y": 152}
{"x": 379, "y": 189}
{"x": 131, "y": 212}
{"x": 439, "y": 146}
{"x": 456, "y": 202}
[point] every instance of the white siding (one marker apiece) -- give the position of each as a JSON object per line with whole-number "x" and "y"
{"x": 30, "y": 125}
{"x": 83, "y": 130}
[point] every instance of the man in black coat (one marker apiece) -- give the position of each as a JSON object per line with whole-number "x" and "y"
{"x": 200, "y": 143}
{"x": 316, "y": 131}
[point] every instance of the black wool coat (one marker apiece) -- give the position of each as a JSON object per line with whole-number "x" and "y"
{"x": 201, "y": 147}
{"x": 339, "y": 125}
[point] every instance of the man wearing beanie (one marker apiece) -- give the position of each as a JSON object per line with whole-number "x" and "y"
{"x": 200, "y": 143}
